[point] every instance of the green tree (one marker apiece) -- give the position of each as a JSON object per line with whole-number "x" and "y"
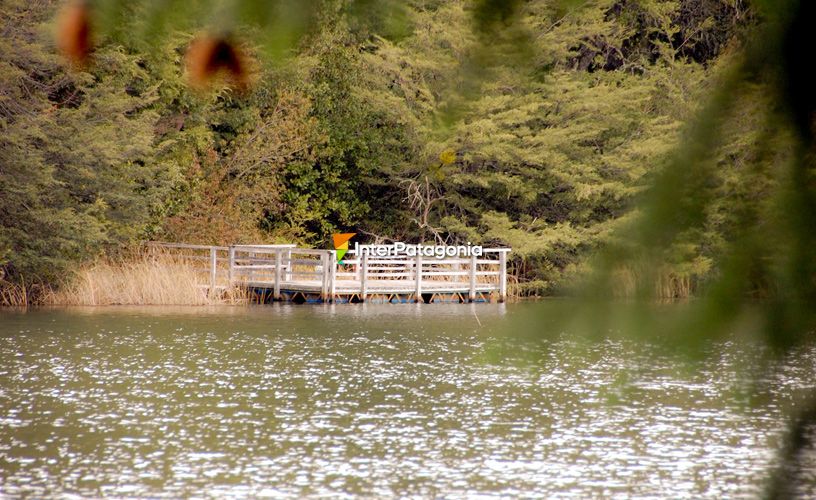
{"x": 76, "y": 174}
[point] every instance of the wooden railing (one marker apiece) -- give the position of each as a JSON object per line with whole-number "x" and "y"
{"x": 210, "y": 262}
{"x": 472, "y": 274}
{"x": 276, "y": 265}
{"x": 289, "y": 268}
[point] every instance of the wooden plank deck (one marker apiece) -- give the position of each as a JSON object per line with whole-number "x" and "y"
{"x": 286, "y": 272}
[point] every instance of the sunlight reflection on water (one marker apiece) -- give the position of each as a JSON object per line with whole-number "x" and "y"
{"x": 382, "y": 401}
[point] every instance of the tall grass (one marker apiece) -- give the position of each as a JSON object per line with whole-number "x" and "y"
{"x": 142, "y": 280}
{"x": 14, "y": 294}
{"x": 666, "y": 283}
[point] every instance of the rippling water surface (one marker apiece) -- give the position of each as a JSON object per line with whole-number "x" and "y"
{"x": 379, "y": 401}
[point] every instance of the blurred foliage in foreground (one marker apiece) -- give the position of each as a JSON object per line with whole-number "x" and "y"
{"x": 766, "y": 205}
{"x": 531, "y": 124}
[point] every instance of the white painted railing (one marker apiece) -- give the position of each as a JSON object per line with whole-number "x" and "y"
{"x": 289, "y": 268}
{"x": 210, "y": 262}
{"x": 458, "y": 274}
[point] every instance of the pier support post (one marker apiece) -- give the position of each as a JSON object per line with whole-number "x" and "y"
{"x": 363, "y": 276}
{"x": 502, "y": 276}
{"x": 472, "y": 291}
{"x": 418, "y": 277}
{"x": 278, "y": 266}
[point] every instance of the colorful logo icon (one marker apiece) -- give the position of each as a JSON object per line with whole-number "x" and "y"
{"x": 341, "y": 244}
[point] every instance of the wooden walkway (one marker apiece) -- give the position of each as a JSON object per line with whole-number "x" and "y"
{"x": 289, "y": 273}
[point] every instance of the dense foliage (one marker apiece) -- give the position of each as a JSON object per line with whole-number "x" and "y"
{"x": 77, "y": 170}
{"x": 535, "y": 126}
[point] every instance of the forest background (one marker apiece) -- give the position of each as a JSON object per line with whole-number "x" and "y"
{"x": 421, "y": 121}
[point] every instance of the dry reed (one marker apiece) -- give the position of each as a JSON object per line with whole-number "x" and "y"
{"x": 142, "y": 280}
{"x": 13, "y": 294}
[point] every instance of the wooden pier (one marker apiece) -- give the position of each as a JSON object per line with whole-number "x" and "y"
{"x": 290, "y": 273}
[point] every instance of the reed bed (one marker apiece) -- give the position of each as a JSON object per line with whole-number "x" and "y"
{"x": 142, "y": 280}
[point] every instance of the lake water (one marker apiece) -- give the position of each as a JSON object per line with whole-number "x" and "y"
{"x": 374, "y": 401}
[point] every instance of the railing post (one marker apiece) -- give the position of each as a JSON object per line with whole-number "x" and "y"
{"x": 418, "y": 277}
{"x": 213, "y": 268}
{"x": 231, "y": 270}
{"x": 324, "y": 284}
{"x": 151, "y": 250}
{"x": 363, "y": 276}
{"x": 332, "y": 274}
{"x": 472, "y": 291}
{"x": 456, "y": 267}
{"x": 502, "y": 276}
{"x": 288, "y": 264}
{"x": 278, "y": 259}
